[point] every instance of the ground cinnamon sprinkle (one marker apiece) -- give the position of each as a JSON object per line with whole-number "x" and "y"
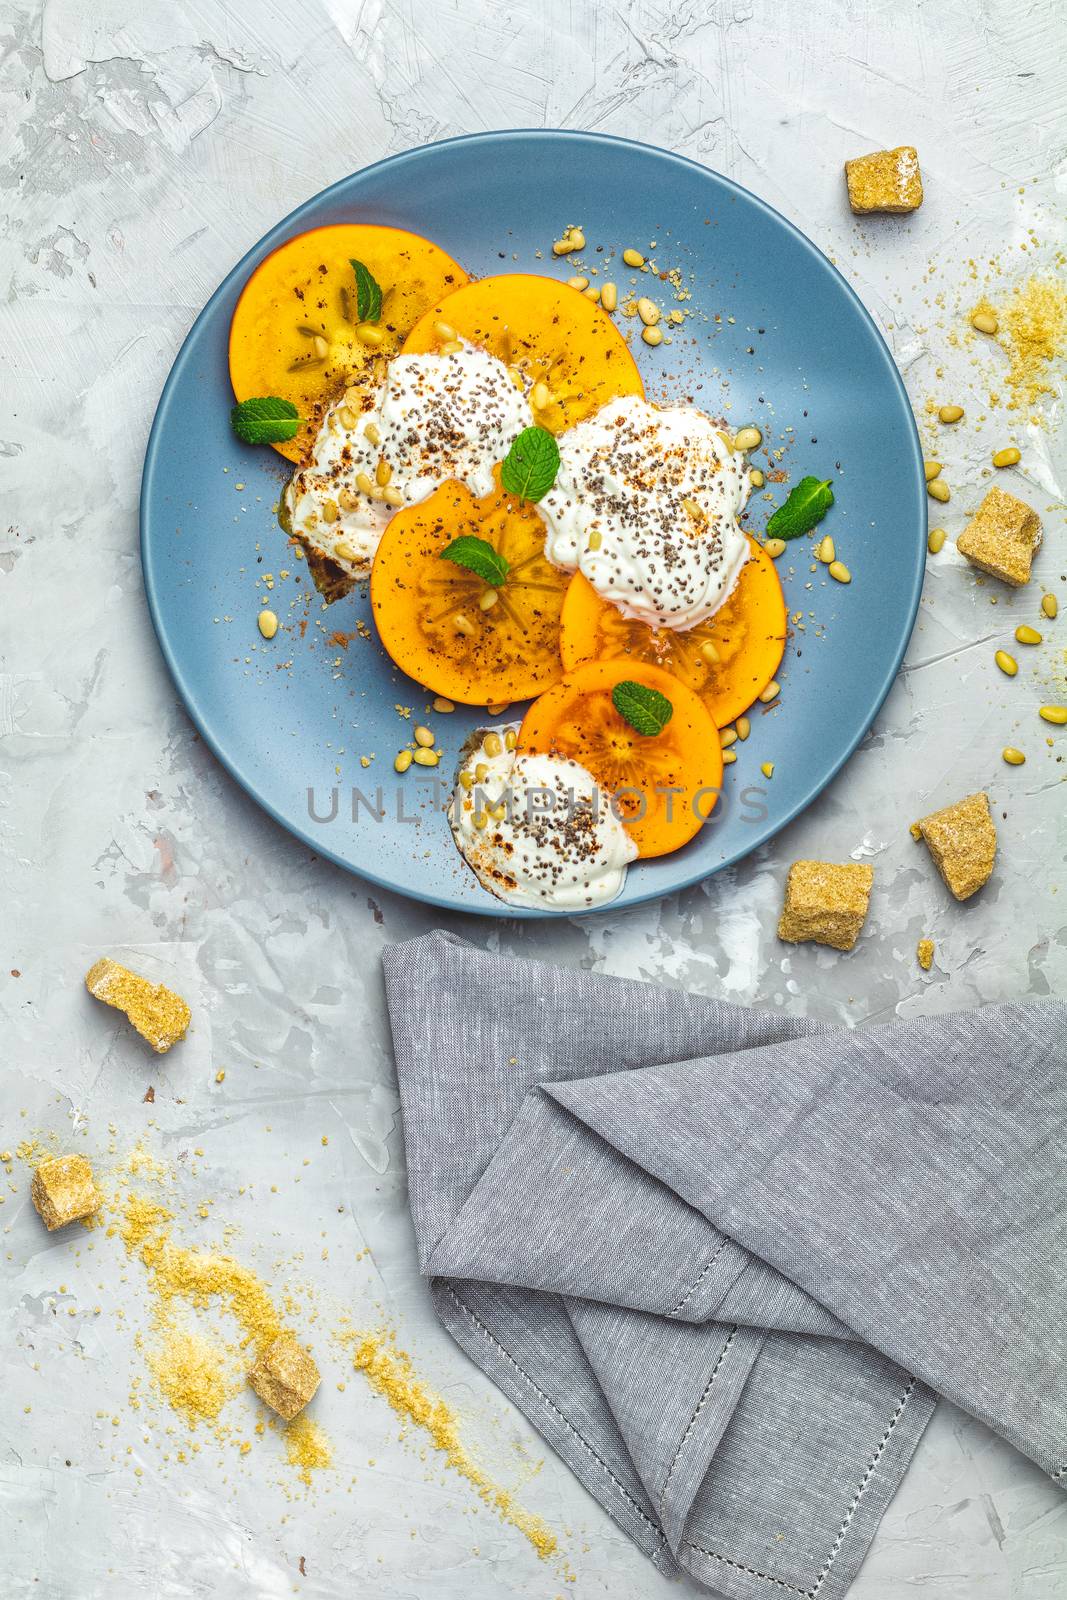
{"x": 389, "y": 1371}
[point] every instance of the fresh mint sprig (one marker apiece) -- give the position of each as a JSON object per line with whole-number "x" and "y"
{"x": 368, "y": 293}
{"x": 266, "y": 420}
{"x": 479, "y": 557}
{"x": 530, "y": 466}
{"x": 805, "y": 506}
{"x": 646, "y": 710}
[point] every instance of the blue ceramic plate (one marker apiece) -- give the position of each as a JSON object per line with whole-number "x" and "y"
{"x": 776, "y": 336}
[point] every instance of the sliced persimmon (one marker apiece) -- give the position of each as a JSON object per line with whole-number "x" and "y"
{"x": 545, "y": 330}
{"x": 663, "y": 786}
{"x": 294, "y": 329}
{"x": 728, "y": 661}
{"x": 456, "y": 633}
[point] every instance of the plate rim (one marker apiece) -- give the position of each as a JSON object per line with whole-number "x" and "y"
{"x": 270, "y": 241}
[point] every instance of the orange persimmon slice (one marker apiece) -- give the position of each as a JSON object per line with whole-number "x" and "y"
{"x": 295, "y": 328}
{"x": 453, "y": 631}
{"x": 727, "y": 661}
{"x": 548, "y": 332}
{"x": 663, "y": 786}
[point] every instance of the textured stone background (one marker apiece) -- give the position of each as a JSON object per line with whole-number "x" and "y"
{"x": 144, "y": 146}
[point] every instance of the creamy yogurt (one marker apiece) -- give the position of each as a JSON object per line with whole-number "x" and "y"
{"x": 645, "y": 505}
{"x": 554, "y": 842}
{"x": 435, "y": 417}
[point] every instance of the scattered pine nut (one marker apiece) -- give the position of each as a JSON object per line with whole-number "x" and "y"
{"x": 511, "y": 739}
{"x": 727, "y": 737}
{"x": 330, "y": 513}
{"x": 596, "y": 539}
{"x": 710, "y": 652}
{"x": 1007, "y": 664}
{"x": 633, "y": 258}
{"x": 488, "y": 600}
{"x": 425, "y": 758}
{"x": 268, "y": 624}
{"x": 492, "y": 744}
{"x": 935, "y": 541}
{"x": 774, "y": 548}
{"x": 346, "y": 417}
{"x": 931, "y": 469}
{"x": 767, "y": 768}
{"x": 609, "y": 296}
{"x": 445, "y": 330}
{"x": 540, "y": 396}
{"x": 839, "y": 571}
{"x": 372, "y": 434}
{"x": 463, "y": 624}
{"x": 652, "y": 335}
{"x": 578, "y": 283}
{"x": 826, "y": 551}
{"x": 424, "y": 737}
{"x": 648, "y": 311}
{"x": 1050, "y": 605}
{"x": 451, "y": 347}
{"x": 442, "y": 705}
{"x": 1024, "y": 634}
{"x": 367, "y": 333}
{"x": 772, "y": 691}
{"x": 1013, "y": 757}
{"x": 1054, "y": 714}
{"x": 950, "y": 414}
{"x": 938, "y": 489}
{"x": 728, "y": 756}
{"x": 755, "y": 477}
{"x": 344, "y": 550}
{"x": 744, "y": 727}
{"x": 382, "y": 473}
{"x": 402, "y": 760}
{"x": 497, "y": 709}
{"x": 592, "y": 293}
{"x": 479, "y": 819}
{"x": 392, "y": 497}
{"x": 364, "y": 484}
{"x": 322, "y": 349}
{"x": 1008, "y": 457}
{"x": 747, "y": 439}
{"x": 984, "y": 322}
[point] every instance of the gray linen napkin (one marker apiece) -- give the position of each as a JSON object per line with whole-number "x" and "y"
{"x": 724, "y": 1260}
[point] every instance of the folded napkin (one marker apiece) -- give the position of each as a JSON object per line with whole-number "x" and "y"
{"x": 726, "y": 1260}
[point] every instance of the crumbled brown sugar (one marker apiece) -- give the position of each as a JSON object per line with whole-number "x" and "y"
{"x": 63, "y": 1191}
{"x": 962, "y": 839}
{"x": 159, "y": 1015}
{"x": 1001, "y": 537}
{"x": 924, "y": 952}
{"x": 887, "y": 180}
{"x": 306, "y": 1447}
{"x": 285, "y": 1376}
{"x": 1033, "y": 332}
{"x": 825, "y": 903}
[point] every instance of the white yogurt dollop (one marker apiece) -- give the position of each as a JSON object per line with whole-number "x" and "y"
{"x": 435, "y": 417}
{"x": 645, "y": 505}
{"x": 554, "y": 843}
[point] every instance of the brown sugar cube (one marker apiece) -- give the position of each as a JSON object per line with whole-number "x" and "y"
{"x": 158, "y": 1014}
{"x": 963, "y": 842}
{"x": 1001, "y": 537}
{"x": 826, "y": 903}
{"x": 924, "y": 952}
{"x": 63, "y": 1191}
{"x": 285, "y": 1377}
{"x": 888, "y": 180}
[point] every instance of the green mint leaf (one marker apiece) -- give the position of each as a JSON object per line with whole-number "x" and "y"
{"x": 807, "y": 504}
{"x": 368, "y": 293}
{"x": 531, "y": 464}
{"x": 646, "y": 710}
{"x": 479, "y": 557}
{"x": 267, "y": 420}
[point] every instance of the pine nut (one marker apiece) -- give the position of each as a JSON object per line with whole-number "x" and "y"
{"x": 498, "y": 813}
{"x": 1008, "y": 457}
{"x": 935, "y": 541}
{"x": 367, "y": 333}
{"x": 424, "y": 737}
{"x": 609, "y": 296}
{"x": 1013, "y": 757}
{"x": 363, "y": 484}
{"x": 322, "y": 349}
{"x": 596, "y": 539}
{"x": 1056, "y": 714}
{"x": 392, "y": 497}
{"x": 652, "y": 335}
{"x": 463, "y": 624}
{"x": 480, "y": 820}
{"x": 931, "y": 469}
{"x": 540, "y": 396}
{"x": 984, "y": 322}
{"x": 1024, "y": 634}
{"x": 592, "y": 293}
{"x": 382, "y": 473}
{"x": 747, "y": 439}
{"x": 838, "y": 570}
{"x": 372, "y": 434}
{"x": 442, "y": 705}
{"x": 268, "y": 624}
{"x": 425, "y": 758}
{"x": 481, "y": 772}
{"x": 498, "y": 707}
{"x": 487, "y": 600}
{"x": 347, "y": 500}
{"x": 774, "y": 548}
{"x": 511, "y": 739}
{"x": 950, "y": 414}
{"x": 709, "y": 652}
{"x": 1050, "y": 605}
{"x": 402, "y": 760}
{"x": 938, "y": 489}
{"x": 755, "y": 478}
{"x": 767, "y": 768}
{"x": 1007, "y": 664}
{"x": 347, "y": 418}
{"x": 466, "y": 780}
{"x": 744, "y": 727}
{"x": 772, "y": 691}
{"x": 330, "y": 512}
{"x": 445, "y": 331}
{"x": 729, "y": 757}
{"x": 648, "y": 312}
{"x": 727, "y": 737}
{"x": 577, "y": 238}
{"x": 451, "y": 347}
{"x": 344, "y": 551}
{"x": 578, "y": 283}
{"x": 492, "y": 745}
{"x": 826, "y": 551}
{"x": 633, "y": 258}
